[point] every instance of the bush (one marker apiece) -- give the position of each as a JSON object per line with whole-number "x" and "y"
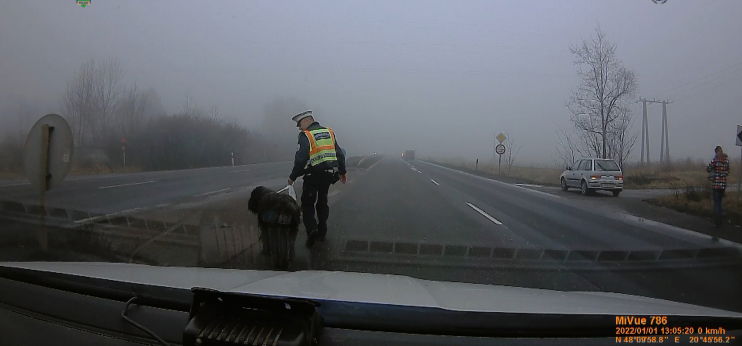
{"x": 696, "y": 194}
{"x": 183, "y": 141}
{"x": 11, "y": 154}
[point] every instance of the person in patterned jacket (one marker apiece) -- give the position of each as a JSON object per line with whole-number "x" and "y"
{"x": 718, "y": 170}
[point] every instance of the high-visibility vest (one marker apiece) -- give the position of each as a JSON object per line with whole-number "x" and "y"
{"x": 321, "y": 146}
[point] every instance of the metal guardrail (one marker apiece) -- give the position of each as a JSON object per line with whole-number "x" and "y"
{"x": 479, "y": 256}
{"x": 223, "y": 244}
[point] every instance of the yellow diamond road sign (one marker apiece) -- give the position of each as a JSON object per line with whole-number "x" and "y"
{"x": 501, "y": 137}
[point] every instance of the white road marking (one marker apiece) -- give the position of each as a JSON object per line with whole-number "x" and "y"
{"x": 493, "y": 180}
{"x": 94, "y": 218}
{"x": 539, "y": 192}
{"x": 434, "y": 182}
{"x": 419, "y": 171}
{"x": 484, "y": 214}
{"x": 213, "y": 192}
{"x": 16, "y": 184}
{"x": 129, "y": 184}
{"x": 528, "y": 185}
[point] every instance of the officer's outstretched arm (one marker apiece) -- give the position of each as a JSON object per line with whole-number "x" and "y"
{"x": 301, "y": 157}
{"x": 341, "y": 157}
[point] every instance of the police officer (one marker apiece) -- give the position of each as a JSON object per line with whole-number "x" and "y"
{"x": 322, "y": 163}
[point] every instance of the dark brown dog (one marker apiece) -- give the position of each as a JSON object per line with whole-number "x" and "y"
{"x": 278, "y": 219}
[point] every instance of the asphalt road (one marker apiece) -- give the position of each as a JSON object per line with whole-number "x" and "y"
{"x": 433, "y": 222}
{"x": 115, "y": 193}
{"x": 427, "y": 221}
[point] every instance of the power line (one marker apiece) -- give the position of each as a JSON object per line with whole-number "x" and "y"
{"x": 710, "y": 77}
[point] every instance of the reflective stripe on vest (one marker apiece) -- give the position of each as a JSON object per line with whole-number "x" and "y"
{"x": 321, "y": 146}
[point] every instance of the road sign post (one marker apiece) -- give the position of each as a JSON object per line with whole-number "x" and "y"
{"x": 500, "y": 149}
{"x": 123, "y": 151}
{"x": 46, "y": 160}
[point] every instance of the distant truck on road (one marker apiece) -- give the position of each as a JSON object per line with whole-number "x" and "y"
{"x": 408, "y": 155}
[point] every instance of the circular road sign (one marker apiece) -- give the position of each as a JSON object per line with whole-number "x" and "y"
{"x": 47, "y": 153}
{"x": 500, "y": 149}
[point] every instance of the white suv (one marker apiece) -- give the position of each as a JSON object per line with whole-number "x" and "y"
{"x": 593, "y": 174}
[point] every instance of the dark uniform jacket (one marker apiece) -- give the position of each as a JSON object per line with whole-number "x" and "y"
{"x": 302, "y": 156}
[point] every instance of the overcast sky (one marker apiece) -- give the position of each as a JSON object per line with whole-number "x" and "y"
{"x": 441, "y": 77}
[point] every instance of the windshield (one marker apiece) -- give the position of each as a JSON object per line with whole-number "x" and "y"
{"x": 426, "y": 139}
{"x": 606, "y": 165}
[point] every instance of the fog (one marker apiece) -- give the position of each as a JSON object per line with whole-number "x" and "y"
{"x": 441, "y": 77}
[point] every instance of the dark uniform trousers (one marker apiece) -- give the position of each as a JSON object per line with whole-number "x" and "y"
{"x": 314, "y": 196}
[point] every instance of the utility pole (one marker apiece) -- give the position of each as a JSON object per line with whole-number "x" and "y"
{"x": 664, "y": 142}
{"x": 665, "y": 147}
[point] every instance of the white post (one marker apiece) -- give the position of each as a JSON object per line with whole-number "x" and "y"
{"x": 233, "y": 159}
{"x": 499, "y": 163}
{"x": 644, "y": 129}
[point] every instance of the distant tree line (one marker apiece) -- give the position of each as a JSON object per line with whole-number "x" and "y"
{"x": 106, "y": 116}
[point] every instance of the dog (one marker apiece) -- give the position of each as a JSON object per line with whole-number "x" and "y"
{"x": 278, "y": 219}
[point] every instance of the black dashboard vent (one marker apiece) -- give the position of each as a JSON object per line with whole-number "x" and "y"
{"x": 218, "y": 318}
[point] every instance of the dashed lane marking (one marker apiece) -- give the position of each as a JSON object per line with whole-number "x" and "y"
{"x": 128, "y": 184}
{"x": 484, "y": 214}
{"x": 213, "y": 192}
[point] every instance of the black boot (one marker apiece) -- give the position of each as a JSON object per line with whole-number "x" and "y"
{"x": 311, "y": 237}
{"x": 717, "y": 221}
{"x": 265, "y": 251}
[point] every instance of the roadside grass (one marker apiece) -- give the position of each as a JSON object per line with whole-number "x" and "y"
{"x": 10, "y": 175}
{"x": 103, "y": 169}
{"x": 676, "y": 175}
{"x": 698, "y": 202}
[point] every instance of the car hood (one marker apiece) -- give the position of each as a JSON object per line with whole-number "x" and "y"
{"x": 379, "y": 289}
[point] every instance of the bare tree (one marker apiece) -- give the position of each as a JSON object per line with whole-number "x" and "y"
{"x": 214, "y": 113}
{"x": 134, "y": 108}
{"x": 107, "y": 90}
{"x": 512, "y": 150}
{"x": 621, "y": 141}
{"x": 130, "y": 111}
{"x": 78, "y": 101}
{"x": 567, "y": 148}
{"x": 90, "y": 99}
{"x": 598, "y": 105}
